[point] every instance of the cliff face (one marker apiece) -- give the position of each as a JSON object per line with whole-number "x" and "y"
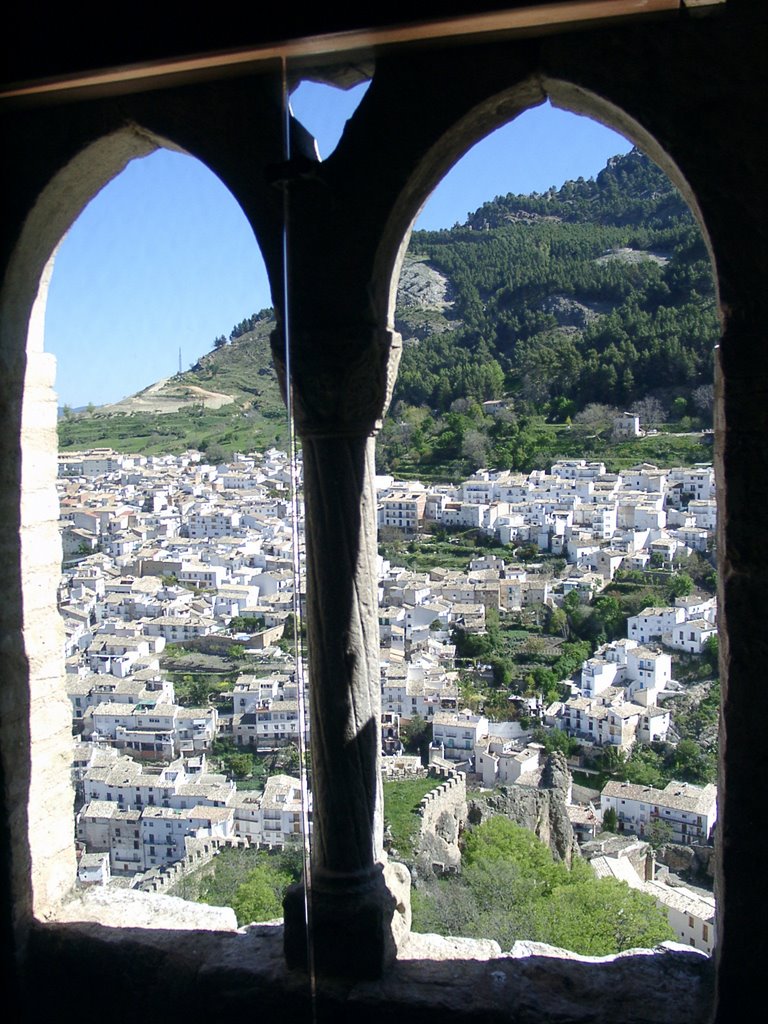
{"x": 446, "y": 810}
{"x": 543, "y": 810}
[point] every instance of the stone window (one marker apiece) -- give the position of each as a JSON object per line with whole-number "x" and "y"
{"x": 683, "y": 81}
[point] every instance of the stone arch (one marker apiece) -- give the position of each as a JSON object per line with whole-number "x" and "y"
{"x": 447, "y": 148}
{"x": 43, "y": 858}
{"x": 695, "y": 82}
{"x": 36, "y": 710}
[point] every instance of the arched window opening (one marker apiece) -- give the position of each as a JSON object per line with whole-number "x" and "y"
{"x": 172, "y": 492}
{"x": 681, "y": 77}
{"x": 547, "y": 505}
{"x": 150, "y": 274}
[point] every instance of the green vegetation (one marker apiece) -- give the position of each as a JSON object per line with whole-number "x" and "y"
{"x": 250, "y": 881}
{"x": 256, "y": 419}
{"x": 521, "y": 664}
{"x": 215, "y": 432}
{"x": 610, "y": 820}
{"x": 656, "y": 764}
{"x": 510, "y": 659}
{"x": 565, "y": 305}
{"x": 199, "y": 689}
{"x": 696, "y": 719}
{"x": 401, "y": 798}
{"x": 635, "y": 589}
{"x": 447, "y": 547}
{"x": 254, "y": 882}
{"x": 659, "y": 833}
{"x": 531, "y": 444}
{"x": 260, "y": 896}
{"x": 246, "y": 624}
{"x": 556, "y": 739}
{"x": 510, "y": 888}
{"x": 242, "y": 764}
{"x": 416, "y": 736}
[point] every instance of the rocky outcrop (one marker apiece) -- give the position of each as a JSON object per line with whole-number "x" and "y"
{"x": 421, "y": 286}
{"x": 569, "y": 312}
{"x": 424, "y": 302}
{"x": 542, "y": 808}
{"x": 110, "y": 906}
{"x": 695, "y": 861}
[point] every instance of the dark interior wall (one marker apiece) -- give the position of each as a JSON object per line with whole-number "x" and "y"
{"x": 695, "y": 86}
{"x": 34, "y": 48}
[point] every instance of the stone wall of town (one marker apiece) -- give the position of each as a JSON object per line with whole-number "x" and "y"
{"x": 200, "y": 851}
{"x": 443, "y": 813}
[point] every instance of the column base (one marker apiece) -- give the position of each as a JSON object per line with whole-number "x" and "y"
{"x": 357, "y": 922}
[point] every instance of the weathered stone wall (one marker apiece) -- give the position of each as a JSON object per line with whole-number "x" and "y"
{"x": 692, "y": 92}
{"x": 443, "y": 814}
{"x": 140, "y": 970}
{"x": 405, "y": 767}
{"x": 200, "y": 851}
{"x": 50, "y": 712}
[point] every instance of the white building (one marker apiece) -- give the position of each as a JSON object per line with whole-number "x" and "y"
{"x": 625, "y": 663}
{"x": 652, "y": 623}
{"x": 691, "y": 914}
{"x": 153, "y": 731}
{"x": 402, "y": 509}
{"x": 691, "y": 636}
{"x": 454, "y": 735}
{"x": 691, "y": 811}
{"x": 272, "y": 818}
{"x": 273, "y": 722}
{"x": 502, "y": 761}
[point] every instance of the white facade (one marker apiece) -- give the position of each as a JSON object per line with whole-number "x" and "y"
{"x": 691, "y": 811}
{"x": 272, "y": 818}
{"x": 691, "y": 636}
{"x": 272, "y": 722}
{"x": 653, "y": 623}
{"x": 456, "y": 734}
{"x": 691, "y": 914}
{"x": 402, "y": 510}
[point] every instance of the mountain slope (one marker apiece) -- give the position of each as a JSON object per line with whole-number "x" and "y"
{"x": 597, "y": 292}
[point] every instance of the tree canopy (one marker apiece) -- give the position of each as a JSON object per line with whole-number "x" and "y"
{"x": 591, "y": 297}
{"x": 511, "y": 888}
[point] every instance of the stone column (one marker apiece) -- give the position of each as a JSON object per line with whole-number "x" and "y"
{"x": 340, "y": 389}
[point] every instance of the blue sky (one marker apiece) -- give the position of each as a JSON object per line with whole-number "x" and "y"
{"x": 163, "y": 259}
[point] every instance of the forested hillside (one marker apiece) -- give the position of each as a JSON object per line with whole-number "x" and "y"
{"x": 599, "y": 292}
{"x": 557, "y": 308}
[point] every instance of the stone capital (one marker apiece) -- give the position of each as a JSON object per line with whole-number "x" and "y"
{"x": 341, "y": 382}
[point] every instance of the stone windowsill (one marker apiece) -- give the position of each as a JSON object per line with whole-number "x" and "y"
{"x": 103, "y": 938}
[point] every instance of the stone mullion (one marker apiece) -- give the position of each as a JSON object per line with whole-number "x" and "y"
{"x": 344, "y": 709}
{"x": 338, "y": 401}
